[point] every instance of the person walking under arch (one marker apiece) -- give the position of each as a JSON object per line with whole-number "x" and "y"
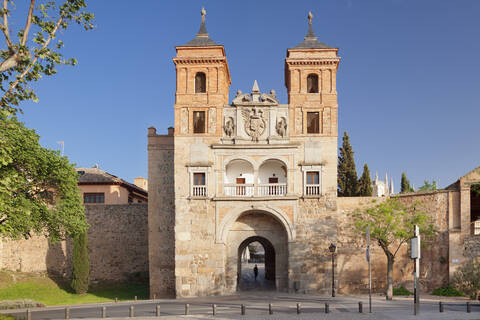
{"x": 255, "y": 272}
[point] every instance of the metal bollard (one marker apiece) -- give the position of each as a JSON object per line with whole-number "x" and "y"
{"x": 104, "y": 312}
{"x": 135, "y": 298}
{"x": 440, "y": 306}
{"x": 299, "y": 308}
{"x": 214, "y": 309}
{"x": 158, "y": 311}
{"x": 116, "y": 299}
{"x": 242, "y": 309}
{"x": 67, "y": 313}
{"x": 29, "y": 314}
{"x": 132, "y": 313}
{"x": 187, "y": 309}
{"x": 469, "y": 308}
{"x": 360, "y": 307}
{"x": 270, "y": 310}
{"x": 327, "y": 308}
{"x": 154, "y": 296}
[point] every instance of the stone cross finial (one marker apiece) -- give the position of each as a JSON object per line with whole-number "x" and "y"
{"x": 204, "y": 13}
{"x": 310, "y": 17}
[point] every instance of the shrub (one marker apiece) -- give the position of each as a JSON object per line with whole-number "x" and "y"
{"x": 467, "y": 278}
{"x": 447, "y": 291}
{"x": 81, "y": 265}
{"x": 19, "y": 304}
{"x": 401, "y": 292}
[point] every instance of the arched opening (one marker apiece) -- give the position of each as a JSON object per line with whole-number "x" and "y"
{"x": 312, "y": 83}
{"x": 272, "y": 178}
{"x": 256, "y": 253}
{"x": 200, "y": 82}
{"x": 239, "y": 178}
{"x": 265, "y": 229}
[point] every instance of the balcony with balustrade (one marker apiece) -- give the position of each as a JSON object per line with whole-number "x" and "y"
{"x": 241, "y": 180}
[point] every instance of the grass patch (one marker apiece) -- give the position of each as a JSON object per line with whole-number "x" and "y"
{"x": 447, "y": 291}
{"x": 4, "y": 317}
{"x": 50, "y": 292}
{"x": 401, "y": 292}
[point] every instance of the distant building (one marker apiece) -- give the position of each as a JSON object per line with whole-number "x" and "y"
{"x": 382, "y": 188}
{"x": 100, "y": 187}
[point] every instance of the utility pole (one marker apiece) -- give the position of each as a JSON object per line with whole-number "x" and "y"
{"x": 369, "y": 272}
{"x": 415, "y": 254}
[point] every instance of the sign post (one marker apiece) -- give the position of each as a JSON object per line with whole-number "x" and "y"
{"x": 415, "y": 254}
{"x": 369, "y": 272}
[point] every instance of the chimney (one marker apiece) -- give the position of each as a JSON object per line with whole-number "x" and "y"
{"x": 171, "y": 130}
{"x": 141, "y": 182}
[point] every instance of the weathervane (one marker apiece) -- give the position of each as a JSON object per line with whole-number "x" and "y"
{"x": 310, "y": 17}
{"x": 203, "y": 12}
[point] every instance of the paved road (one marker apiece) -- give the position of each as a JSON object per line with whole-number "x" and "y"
{"x": 284, "y": 307}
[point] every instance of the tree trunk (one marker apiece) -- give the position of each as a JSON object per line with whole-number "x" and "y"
{"x": 390, "y": 261}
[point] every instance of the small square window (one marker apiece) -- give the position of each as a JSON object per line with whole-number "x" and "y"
{"x": 94, "y": 198}
{"x": 199, "y": 179}
{"x": 313, "y": 122}
{"x": 199, "y": 122}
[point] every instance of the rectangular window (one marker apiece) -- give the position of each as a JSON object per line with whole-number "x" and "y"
{"x": 199, "y": 179}
{"x": 313, "y": 122}
{"x": 198, "y": 121}
{"x": 313, "y": 177}
{"x": 93, "y": 198}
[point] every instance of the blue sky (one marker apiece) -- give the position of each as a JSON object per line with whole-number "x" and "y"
{"x": 408, "y": 82}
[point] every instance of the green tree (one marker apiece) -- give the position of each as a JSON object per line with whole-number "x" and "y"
{"x": 81, "y": 264}
{"x": 365, "y": 183}
{"x": 391, "y": 225}
{"x": 347, "y": 173}
{"x": 38, "y": 187}
{"x": 405, "y": 186}
{"x": 33, "y": 49}
{"x": 427, "y": 186}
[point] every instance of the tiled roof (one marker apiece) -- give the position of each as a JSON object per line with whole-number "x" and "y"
{"x": 311, "y": 41}
{"x": 95, "y": 175}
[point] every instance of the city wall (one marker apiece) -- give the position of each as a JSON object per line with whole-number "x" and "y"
{"x": 117, "y": 245}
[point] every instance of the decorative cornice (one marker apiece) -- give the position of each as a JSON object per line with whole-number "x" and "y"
{"x": 200, "y": 60}
{"x": 312, "y": 62}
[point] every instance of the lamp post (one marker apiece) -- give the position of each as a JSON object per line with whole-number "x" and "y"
{"x": 332, "y": 249}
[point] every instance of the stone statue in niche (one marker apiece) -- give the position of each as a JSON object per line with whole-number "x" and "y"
{"x": 254, "y": 122}
{"x": 229, "y": 126}
{"x": 281, "y": 127}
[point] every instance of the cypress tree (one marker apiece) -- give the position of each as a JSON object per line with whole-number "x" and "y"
{"x": 81, "y": 264}
{"x": 405, "y": 184}
{"x": 365, "y": 183}
{"x": 347, "y": 173}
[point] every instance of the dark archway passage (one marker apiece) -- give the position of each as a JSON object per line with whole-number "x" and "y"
{"x": 266, "y": 279}
{"x": 475, "y": 209}
{"x": 262, "y": 227}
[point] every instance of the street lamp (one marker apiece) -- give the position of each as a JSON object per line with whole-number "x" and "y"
{"x": 332, "y": 249}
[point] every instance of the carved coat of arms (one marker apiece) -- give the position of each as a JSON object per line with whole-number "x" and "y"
{"x": 254, "y": 122}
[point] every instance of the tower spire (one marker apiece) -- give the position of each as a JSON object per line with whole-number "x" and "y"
{"x": 311, "y": 41}
{"x": 202, "y": 38}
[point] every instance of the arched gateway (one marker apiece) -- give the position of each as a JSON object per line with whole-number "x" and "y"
{"x": 262, "y": 227}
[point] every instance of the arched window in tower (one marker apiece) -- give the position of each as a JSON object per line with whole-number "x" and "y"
{"x": 312, "y": 83}
{"x": 200, "y": 82}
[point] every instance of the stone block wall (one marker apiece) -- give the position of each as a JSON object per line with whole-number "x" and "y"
{"x": 472, "y": 246}
{"x": 117, "y": 243}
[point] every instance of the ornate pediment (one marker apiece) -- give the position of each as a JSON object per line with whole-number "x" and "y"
{"x": 255, "y": 97}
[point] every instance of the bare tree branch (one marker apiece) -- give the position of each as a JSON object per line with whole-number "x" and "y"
{"x": 29, "y": 22}
{"x": 5, "y": 30}
{"x": 399, "y": 246}
{"x": 35, "y": 59}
